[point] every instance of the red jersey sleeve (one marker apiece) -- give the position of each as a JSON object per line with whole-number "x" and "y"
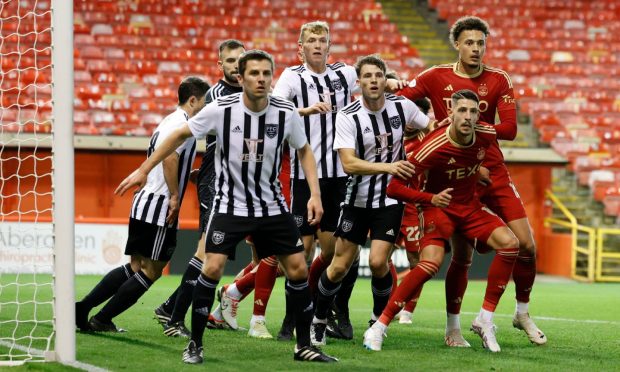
{"x": 507, "y": 109}
{"x": 417, "y": 88}
{"x": 400, "y": 189}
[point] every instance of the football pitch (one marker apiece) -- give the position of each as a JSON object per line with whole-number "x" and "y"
{"x": 581, "y": 321}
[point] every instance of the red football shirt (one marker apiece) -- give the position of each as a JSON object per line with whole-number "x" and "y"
{"x": 444, "y": 163}
{"x": 494, "y": 88}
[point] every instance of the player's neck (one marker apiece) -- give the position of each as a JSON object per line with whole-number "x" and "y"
{"x": 467, "y": 69}
{"x": 231, "y": 83}
{"x": 463, "y": 140}
{"x": 317, "y": 68}
{"x": 255, "y": 104}
{"x": 374, "y": 104}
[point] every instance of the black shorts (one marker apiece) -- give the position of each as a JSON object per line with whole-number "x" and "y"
{"x": 206, "y": 191}
{"x": 333, "y": 192}
{"x": 383, "y": 223}
{"x": 272, "y": 235}
{"x": 151, "y": 241}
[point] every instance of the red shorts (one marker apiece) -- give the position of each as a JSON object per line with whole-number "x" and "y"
{"x": 502, "y": 197}
{"x": 410, "y": 233}
{"x": 474, "y": 222}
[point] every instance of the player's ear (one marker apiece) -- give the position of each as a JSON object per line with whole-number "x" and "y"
{"x": 220, "y": 65}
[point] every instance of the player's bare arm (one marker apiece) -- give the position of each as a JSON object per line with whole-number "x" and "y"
{"x": 317, "y": 108}
{"x": 171, "y": 169}
{"x": 354, "y": 165}
{"x": 394, "y": 85}
{"x": 138, "y": 177}
{"x": 308, "y": 164}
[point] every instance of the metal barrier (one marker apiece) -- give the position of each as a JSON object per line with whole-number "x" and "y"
{"x": 582, "y": 258}
{"x": 607, "y": 260}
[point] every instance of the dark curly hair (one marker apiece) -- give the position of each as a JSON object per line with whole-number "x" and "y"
{"x": 468, "y": 23}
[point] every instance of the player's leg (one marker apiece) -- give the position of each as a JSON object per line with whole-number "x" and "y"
{"x": 341, "y": 326}
{"x": 278, "y": 235}
{"x": 455, "y": 287}
{"x": 223, "y": 233}
{"x": 104, "y": 290}
{"x": 489, "y": 228}
{"x": 128, "y": 293}
{"x": 202, "y": 303}
{"x": 183, "y": 299}
{"x": 524, "y": 274}
{"x": 504, "y": 200}
{"x": 405, "y": 316}
{"x": 431, "y": 258}
{"x": 384, "y": 232}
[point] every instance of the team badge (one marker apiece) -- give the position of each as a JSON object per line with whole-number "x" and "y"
{"x": 481, "y": 154}
{"x": 347, "y": 225}
{"x": 337, "y": 84}
{"x": 271, "y": 130}
{"x": 299, "y": 220}
{"x": 395, "y": 122}
{"x": 483, "y": 90}
{"x": 429, "y": 228}
{"x": 218, "y": 237}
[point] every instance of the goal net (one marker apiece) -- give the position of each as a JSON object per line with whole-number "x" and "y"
{"x": 31, "y": 196}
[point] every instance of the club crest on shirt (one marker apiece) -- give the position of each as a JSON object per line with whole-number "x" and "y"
{"x": 336, "y": 84}
{"x": 271, "y": 130}
{"x": 429, "y": 228}
{"x": 218, "y": 237}
{"x": 481, "y": 154}
{"x": 347, "y": 225}
{"x": 299, "y": 220}
{"x": 483, "y": 90}
{"x": 395, "y": 122}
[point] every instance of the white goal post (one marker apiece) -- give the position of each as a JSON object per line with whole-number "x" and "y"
{"x": 37, "y": 269}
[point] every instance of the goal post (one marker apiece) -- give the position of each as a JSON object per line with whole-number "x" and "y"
{"x": 63, "y": 180}
{"x": 37, "y": 294}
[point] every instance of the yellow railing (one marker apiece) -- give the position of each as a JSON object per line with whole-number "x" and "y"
{"x": 575, "y": 229}
{"x": 603, "y": 264}
{"x": 611, "y": 271}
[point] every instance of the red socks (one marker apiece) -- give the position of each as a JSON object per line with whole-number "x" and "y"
{"x": 523, "y": 274}
{"x": 316, "y": 270}
{"x": 265, "y": 280}
{"x": 498, "y": 277}
{"x": 456, "y": 284}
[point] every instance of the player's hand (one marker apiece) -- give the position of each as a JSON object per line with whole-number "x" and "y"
{"x": 315, "y": 210}
{"x": 317, "y": 108}
{"x": 136, "y": 179}
{"x": 442, "y": 200}
{"x": 445, "y": 121}
{"x": 484, "y": 176}
{"x": 173, "y": 209}
{"x": 394, "y": 85}
{"x": 193, "y": 175}
{"x": 402, "y": 169}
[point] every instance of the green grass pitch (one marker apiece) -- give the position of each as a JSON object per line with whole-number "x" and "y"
{"x": 581, "y": 321}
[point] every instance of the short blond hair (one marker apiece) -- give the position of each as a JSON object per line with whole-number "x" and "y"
{"x": 317, "y": 27}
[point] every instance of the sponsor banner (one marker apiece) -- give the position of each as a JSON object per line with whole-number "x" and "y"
{"x": 28, "y": 247}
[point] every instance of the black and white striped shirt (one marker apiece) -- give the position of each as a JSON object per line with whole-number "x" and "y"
{"x": 376, "y": 136}
{"x": 248, "y": 152}
{"x": 220, "y": 89}
{"x": 305, "y": 88}
{"x": 151, "y": 203}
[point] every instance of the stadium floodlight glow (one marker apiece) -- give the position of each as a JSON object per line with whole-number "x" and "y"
{"x": 36, "y": 183}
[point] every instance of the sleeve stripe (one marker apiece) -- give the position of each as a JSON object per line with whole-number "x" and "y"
{"x": 430, "y": 147}
{"x": 501, "y": 72}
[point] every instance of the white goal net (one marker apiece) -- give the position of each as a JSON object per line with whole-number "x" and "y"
{"x": 29, "y": 171}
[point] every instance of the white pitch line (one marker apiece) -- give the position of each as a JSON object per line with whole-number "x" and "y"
{"x": 41, "y": 353}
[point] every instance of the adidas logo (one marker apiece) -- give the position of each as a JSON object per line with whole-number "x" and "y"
{"x": 390, "y": 232}
{"x": 449, "y": 88}
{"x": 299, "y": 242}
{"x": 259, "y": 302}
{"x": 236, "y": 129}
{"x": 202, "y": 311}
{"x": 367, "y": 130}
{"x": 451, "y": 161}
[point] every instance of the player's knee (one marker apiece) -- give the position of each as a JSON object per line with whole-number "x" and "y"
{"x": 337, "y": 270}
{"x": 378, "y": 266}
{"x": 527, "y": 248}
{"x": 506, "y": 241}
{"x": 152, "y": 273}
{"x": 213, "y": 270}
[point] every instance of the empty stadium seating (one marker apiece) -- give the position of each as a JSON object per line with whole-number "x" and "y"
{"x": 130, "y": 56}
